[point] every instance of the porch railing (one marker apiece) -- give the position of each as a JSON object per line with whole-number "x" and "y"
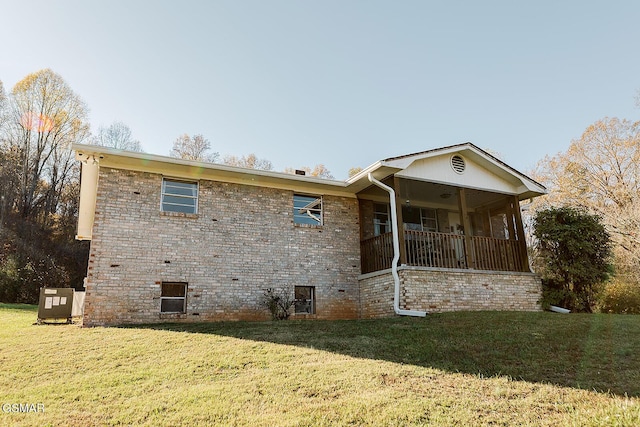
{"x": 376, "y": 253}
{"x": 497, "y": 254}
{"x": 443, "y": 250}
{"x": 431, "y": 249}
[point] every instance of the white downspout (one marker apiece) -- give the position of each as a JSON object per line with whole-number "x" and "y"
{"x": 396, "y": 252}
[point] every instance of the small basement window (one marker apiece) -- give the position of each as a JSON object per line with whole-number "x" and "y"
{"x": 179, "y": 196}
{"x": 305, "y": 300}
{"x": 307, "y": 209}
{"x": 173, "y": 298}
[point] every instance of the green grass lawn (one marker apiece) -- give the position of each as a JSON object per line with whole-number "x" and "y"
{"x": 450, "y": 369}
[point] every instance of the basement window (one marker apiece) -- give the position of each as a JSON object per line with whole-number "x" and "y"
{"x": 179, "y": 196}
{"x": 307, "y": 210}
{"x": 173, "y": 298}
{"x": 305, "y": 300}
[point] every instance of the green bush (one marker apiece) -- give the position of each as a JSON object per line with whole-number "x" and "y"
{"x": 572, "y": 254}
{"x": 21, "y": 280}
{"x": 621, "y": 297}
{"x": 554, "y": 293}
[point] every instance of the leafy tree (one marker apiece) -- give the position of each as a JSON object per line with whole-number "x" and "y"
{"x": 250, "y": 161}
{"x": 117, "y": 135}
{"x": 193, "y": 148}
{"x": 601, "y": 172}
{"x": 319, "y": 171}
{"x": 573, "y": 252}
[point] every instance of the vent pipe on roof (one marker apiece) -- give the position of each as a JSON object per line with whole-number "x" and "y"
{"x": 396, "y": 252}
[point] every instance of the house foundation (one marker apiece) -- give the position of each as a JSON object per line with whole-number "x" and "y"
{"x": 436, "y": 290}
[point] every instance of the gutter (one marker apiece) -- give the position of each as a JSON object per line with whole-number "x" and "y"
{"x": 396, "y": 252}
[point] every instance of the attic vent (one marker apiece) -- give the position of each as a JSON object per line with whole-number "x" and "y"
{"x": 457, "y": 163}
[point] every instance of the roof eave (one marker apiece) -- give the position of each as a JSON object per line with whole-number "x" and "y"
{"x": 181, "y": 168}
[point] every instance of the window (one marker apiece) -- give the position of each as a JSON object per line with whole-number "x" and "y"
{"x": 173, "y": 298}
{"x": 381, "y": 222}
{"x": 307, "y": 209}
{"x": 429, "y": 220}
{"x": 419, "y": 219}
{"x": 179, "y": 196}
{"x": 305, "y": 300}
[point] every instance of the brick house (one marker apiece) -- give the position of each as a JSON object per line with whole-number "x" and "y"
{"x": 177, "y": 240}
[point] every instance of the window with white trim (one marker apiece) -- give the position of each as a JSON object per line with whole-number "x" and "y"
{"x": 305, "y": 299}
{"x": 179, "y": 196}
{"x": 307, "y": 209}
{"x": 173, "y": 298}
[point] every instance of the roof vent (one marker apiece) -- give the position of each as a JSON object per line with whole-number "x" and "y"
{"x": 457, "y": 163}
{"x": 300, "y": 172}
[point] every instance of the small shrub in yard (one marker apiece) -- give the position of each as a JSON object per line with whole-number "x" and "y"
{"x": 278, "y": 303}
{"x": 621, "y": 297}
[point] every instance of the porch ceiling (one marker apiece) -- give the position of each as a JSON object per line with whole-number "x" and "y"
{"x": 421, "y": 193}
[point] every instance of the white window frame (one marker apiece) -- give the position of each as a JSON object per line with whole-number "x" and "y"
{"x": 166, "y": 206}
{"x": 308, "y": 210}
{"x": 174, "y": 298}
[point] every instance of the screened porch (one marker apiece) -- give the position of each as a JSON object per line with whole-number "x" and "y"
{"x": 442, "y": 226}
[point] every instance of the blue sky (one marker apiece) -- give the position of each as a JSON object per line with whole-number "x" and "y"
{"x": 343, "y": 83}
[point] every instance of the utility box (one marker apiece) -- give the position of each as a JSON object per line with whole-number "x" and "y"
{"x": 55, "y": 304}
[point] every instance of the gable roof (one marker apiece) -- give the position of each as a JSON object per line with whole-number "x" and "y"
{"x": 395, "y": 165}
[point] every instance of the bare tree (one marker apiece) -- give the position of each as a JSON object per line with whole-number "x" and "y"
{"x": 250, "y": 161}
{"x": 3, "y": 108}
{"x": 318, "y": 171}
{"x": 117, "y": 135}
{"x": 45, "y": 118}
{"x": 193, "y": 148}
